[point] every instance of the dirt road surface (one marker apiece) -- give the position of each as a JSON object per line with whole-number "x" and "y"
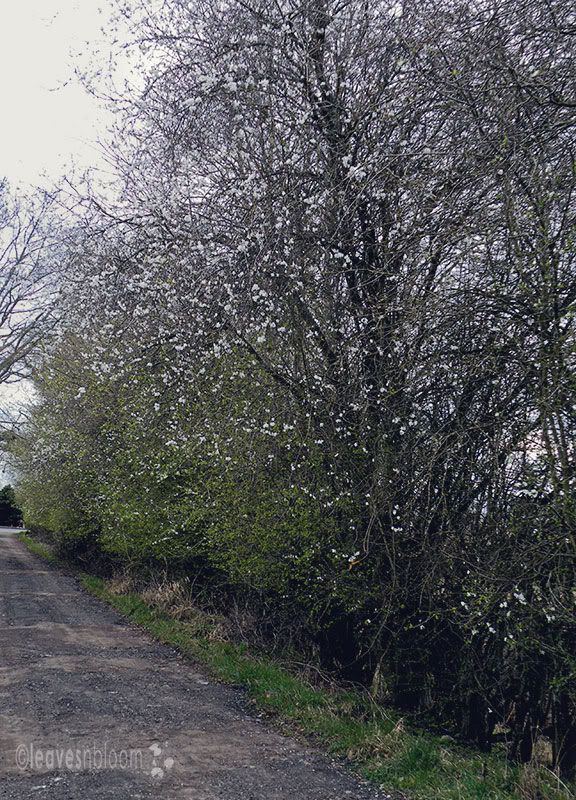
{"x": 93, "y": 708}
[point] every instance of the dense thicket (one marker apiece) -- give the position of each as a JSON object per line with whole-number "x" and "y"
{"x": 323, "y": 342}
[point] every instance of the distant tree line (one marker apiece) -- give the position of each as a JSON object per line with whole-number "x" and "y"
{"x": 10, "y": 514}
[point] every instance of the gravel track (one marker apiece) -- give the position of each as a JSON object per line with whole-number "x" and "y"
{"x": 91, "y": 706}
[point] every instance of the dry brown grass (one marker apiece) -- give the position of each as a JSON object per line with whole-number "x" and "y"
{"x": 173, "y": 598}
{"x": 120, "y": 584}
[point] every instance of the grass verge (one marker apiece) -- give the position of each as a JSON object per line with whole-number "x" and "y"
{"x": 38, "y": 548}
{"x": 376, "y": 742}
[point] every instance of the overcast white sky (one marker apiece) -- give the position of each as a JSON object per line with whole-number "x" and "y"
{"x": 46, "y": 118}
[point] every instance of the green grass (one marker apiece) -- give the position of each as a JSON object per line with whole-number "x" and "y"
{"x": 377, "y": 743}
{"x": 38, "y": 548}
